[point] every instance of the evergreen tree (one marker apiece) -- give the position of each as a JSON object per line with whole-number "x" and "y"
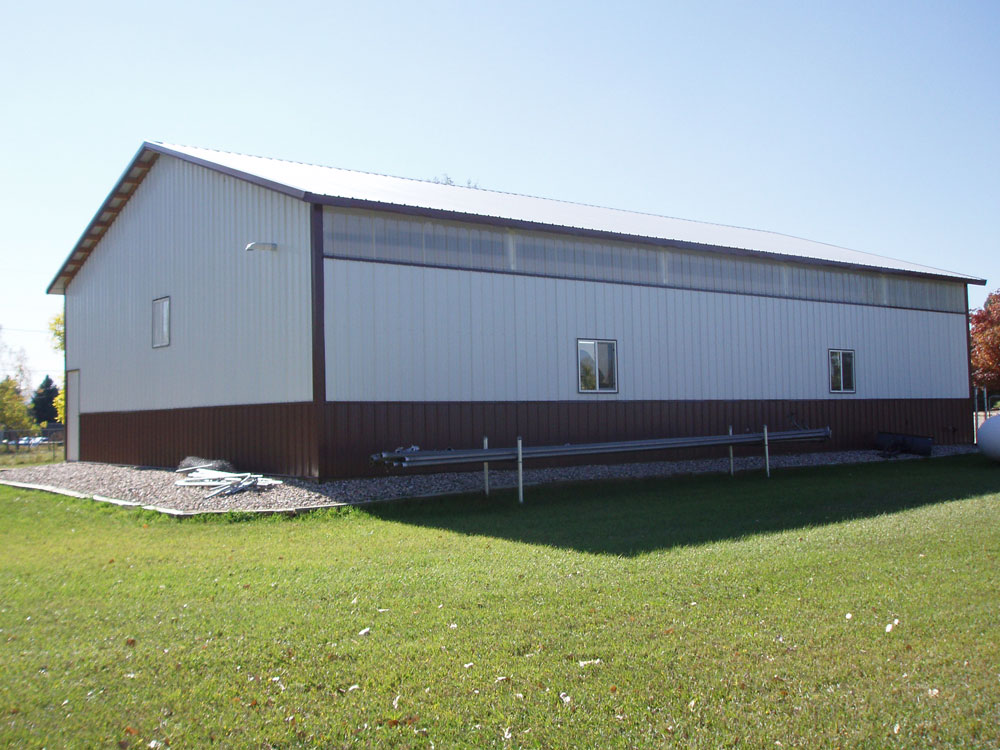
{"x": 42, "y": 407}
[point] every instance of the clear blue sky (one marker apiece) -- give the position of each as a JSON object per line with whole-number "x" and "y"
{"x": 871, "y": 125}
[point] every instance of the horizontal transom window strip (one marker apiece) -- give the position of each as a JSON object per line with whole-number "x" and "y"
{"x": 399, "y": 239}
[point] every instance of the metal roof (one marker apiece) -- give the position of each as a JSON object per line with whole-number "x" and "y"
{"x": 328, "y": 185}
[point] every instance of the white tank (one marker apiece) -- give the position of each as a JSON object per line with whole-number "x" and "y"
{"x": 989, "y": 438}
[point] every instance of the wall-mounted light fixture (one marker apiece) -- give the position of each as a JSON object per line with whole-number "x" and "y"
{"x": 261, "y": 246}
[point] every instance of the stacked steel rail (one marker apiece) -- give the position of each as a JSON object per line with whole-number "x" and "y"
{"x": 415, "y": 457}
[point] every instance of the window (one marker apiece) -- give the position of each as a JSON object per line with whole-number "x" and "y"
{"x": 841, "y": 371}
{"x": 161, "y": 322}
{"x": 598, "y": 365}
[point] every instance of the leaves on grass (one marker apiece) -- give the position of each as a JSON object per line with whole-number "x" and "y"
{"x": 130, "y": 642}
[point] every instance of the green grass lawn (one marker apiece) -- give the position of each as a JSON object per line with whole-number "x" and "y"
{"x": 30, "y": 456}
{"x": 717, "y": 609}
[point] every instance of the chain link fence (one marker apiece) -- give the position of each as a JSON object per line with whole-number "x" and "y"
{"x": 41, "y": 444}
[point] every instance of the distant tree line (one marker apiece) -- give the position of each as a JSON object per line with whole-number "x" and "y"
{"x": 985, "y": 354}
{"x": 17, "y": 411}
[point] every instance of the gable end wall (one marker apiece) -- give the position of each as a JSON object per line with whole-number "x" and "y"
{"x": 240, "y": 322}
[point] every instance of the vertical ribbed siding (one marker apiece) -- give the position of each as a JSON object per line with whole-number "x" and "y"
{"x": 355, "y": 430}
{"x": 280, "y": 438}
{"x": 240, "y": 322}
{"x": 273, "y": 438}
{"x": 410, "y": 333}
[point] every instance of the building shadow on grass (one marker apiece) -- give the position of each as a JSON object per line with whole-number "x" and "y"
{"x": 628, "y": 518}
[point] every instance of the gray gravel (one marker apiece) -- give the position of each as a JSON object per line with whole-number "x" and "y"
{"x": 155, "y": 487}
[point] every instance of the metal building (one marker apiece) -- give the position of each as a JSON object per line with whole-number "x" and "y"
{"x": 296, "y": 319}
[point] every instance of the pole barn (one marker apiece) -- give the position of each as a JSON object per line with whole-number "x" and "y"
{"x": 296, "y": 319}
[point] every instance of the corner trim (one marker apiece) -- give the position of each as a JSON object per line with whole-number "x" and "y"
{"x": 318, "y": 335}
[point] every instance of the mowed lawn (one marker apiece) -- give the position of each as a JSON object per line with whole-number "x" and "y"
{"x": 701, "y": 612}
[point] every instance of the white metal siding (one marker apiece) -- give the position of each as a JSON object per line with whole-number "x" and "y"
{"x": 409, "y": 333}
{"x": 240, "y": 323}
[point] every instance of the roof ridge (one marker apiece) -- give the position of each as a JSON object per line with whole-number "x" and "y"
{"x": 515, "y": 194}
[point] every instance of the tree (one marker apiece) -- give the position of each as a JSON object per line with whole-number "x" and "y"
{"x": 42, "y": 402}
{"x": 57, "y": 330}
{"x": 14, "y": 364}
{"x": 60, "y": 403}
{"x": 986, "y": 343}
{"x": 13, "y": 411}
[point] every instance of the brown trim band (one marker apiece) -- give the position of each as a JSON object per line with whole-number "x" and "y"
{"x": 273, "y": 438}
{"x": 318, "y": 285}
{"x": 280, "y": 438}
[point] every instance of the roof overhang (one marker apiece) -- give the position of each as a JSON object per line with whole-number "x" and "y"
{"x": 131, "y": 178}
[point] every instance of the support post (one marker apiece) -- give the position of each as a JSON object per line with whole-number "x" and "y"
{"x": 975, "y": 419}
{"x": 486, "y": 468}
{"x": 732, "y": 471}
{"x": 520, "y": 474}
{"x": 767, "y": 455}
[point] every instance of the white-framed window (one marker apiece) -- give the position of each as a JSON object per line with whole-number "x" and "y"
{"x": 161, "y": 322}
{"x": 842, "y": 371}
{"x": 597, "y": 364}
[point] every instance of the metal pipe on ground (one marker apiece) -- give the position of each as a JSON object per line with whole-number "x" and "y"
{"x": 416, "y": 457}
{"x": 412, "y": 457}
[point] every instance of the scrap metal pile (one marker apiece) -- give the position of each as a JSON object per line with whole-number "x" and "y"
{"x": 222, "y": 482}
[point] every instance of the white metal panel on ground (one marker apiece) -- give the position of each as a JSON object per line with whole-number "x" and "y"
{"x": 410, "y": 333}
{"x": 240, "y": 322}
{"x": 345, "y": 184}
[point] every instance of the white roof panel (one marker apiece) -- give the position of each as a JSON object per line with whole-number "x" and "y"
{"x": 316, "y": 183}
{"x": 346, "y": 184}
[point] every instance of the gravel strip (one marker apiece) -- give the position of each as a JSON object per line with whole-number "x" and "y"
{"x": 155, "y": 487}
